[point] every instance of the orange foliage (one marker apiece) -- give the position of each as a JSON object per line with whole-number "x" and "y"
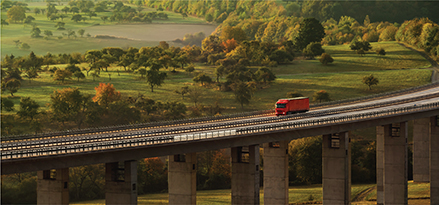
{"x": 105, "y": 94}
{"x": 229, "y": 45}
{"x": 221, "y": 164}
{"x": 154, "y": 164}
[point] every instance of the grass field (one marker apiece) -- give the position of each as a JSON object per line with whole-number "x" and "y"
{"x": 302, "y": 76}
{"x": 147, "y": 34}
{"x": 417, "y": 193}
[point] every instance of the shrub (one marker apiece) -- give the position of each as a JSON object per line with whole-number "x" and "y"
{"x": 326, "y": 58}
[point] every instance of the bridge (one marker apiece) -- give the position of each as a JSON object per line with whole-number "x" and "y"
{"x": 51, "y": 154}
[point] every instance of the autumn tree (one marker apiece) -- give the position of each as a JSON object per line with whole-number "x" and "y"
{"x": 370, "y": 80}
{"x": 106, "y": 94}
{"x": 321, "y": 96}
{"x": 234, "y": 32}
{"x": 202, "y": 78}
{"x": 265, "y": 74}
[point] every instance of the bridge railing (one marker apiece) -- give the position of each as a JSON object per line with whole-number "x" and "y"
{"x": 185, "y": 137}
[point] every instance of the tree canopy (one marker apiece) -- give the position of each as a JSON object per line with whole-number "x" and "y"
{"x": 311, "y": 30}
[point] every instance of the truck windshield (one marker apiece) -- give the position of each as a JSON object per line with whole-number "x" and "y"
{"x": 281, "y": 105}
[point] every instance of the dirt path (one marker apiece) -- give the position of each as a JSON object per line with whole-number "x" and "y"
{"x": 362, "y": 195}
{"x": 434, "y": 64}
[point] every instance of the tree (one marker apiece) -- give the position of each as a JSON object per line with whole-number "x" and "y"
{"x": 61, "y": 75}
{"x": 24, "y": 46}
{"x": 106, "y": 94}
{"x": 95, "y": 75}
{"x": 28, "y": 108}
{"x": 313, "y": 49}
{"x": 325, "y": 59}
{"x": 370, "y": 80}
{"x": 16, "y": 13}
{"x": 306, "y": 155}
{"x": 12, "y": 85}
{"x": 104, "y": 18}
{"x": 235, "y": 33}
{"x": 243, "y": 93}
{"x": 202, "y": 78}
{"x": 293, "y": 95}
{"x": 381, "y": 52}
{"x": 7, "y": 104}
{"x": 4, "y": 22}
{"x": 79, "y": 75}
{"x": 183, "y": 91}
{"x": 81, "y": 32}
{"x": 321, "y": 96}
{"x": 195, "y": 94}
{"x": 311, "y": 30}
{"x": 265, "y": 74}
{"x": 48, "y": 33}
{"x": 60, "y": 25}
{"x": 76, "y": 18}
{"x": 360, "y": 46}
{"x": 35, "y": 33}
{"x": 66, "y": 104}
{"x": 155, "y": 78}
{"x": 30, "y": 74}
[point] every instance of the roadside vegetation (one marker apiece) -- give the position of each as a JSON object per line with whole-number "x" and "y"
{"x": 260, "y": 52}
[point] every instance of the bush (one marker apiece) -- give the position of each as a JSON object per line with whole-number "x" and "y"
{"x": 380, "y": 52}
{"x": 313, "y": 49}
{"x": 326, "y": 58}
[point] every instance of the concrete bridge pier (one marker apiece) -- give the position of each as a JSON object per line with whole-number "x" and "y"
{"x": 245, "y": 175}
{"x": 434, "y": 160}
{"x": 336, "y": 169}
{"x": 182, "y": 178}
{"x": 276, "y": 173}
{"x": 121, "y": 182}
{"x": 52, "y": 187}
{"x": 421, "y": 153}
{"x": 392, "y": 163}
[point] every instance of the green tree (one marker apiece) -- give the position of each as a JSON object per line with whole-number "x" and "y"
{"x": 325, "y": 59}
{"x": 79, "y": 75}
{"x": 183, "y": 91}
{"x": 202, "y": 78}
{"x": 24, "y": 46}
{"x": 265, "y": 74}
{"x": 31, "y": 74}
{"x": 142, "y": 72}
{"x": 360, "y": 45}
{"x": 243, "y": 93}
{"x": 306, "y": 156}
{"x": 7, "y": 104}
{"x": 12, "y": 85}
{"x": 28, "y": 108}
{"x": 381, "y": 52}
{"x": 48, "y": 33}
{"x": 66, "y": 104}
{"x": 60, "y": 25}
{"x": 16, "y": 13}
{"x": 4, "y": 22}
{"x": 81, "y": 32}
{"x": 61, "y": 75}
{"x": 321, "y": 96}
{"x": 155, "y": 78}
{"x": 370, "y": 80}
{"x": 311, "y": 30}
{"x": 76, "y": 18}
{"x": 35, "y": 33}
{"x": 313, "y": 49}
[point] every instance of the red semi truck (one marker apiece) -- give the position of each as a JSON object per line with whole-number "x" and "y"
{"x": 292, "y": 105}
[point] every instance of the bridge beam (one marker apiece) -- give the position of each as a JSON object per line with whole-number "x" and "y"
{"x": 121, "y": 183}
{"x": 52, "y": 186}
{"x": 392, "y": 163}
{"x": 276, "y": 172}
{"x": 336, "y": 157}
{"x": 245, "y": 175}
{"x": 434, "y": 160}
{"x": 421, "y": 154}
{"x": 182, "y": 178}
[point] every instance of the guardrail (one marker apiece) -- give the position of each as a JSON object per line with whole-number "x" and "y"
{"x": 201, "y": 119}
{"x": 251, "y": 129}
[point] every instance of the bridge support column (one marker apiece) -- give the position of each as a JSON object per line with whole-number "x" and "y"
{"x": 182, "y": 178}
{"x": 392, "y": 140}
{"x": 245, "y": 175}
{"x": 336, "y": 169}
{"x": 434, "y": 160}
{"x": 121, "y": 183}
{"x": 421, "y": 154}
{"x": 381, "y": 131}
{"x": 52, "y": 186}
{"x": 276, "y": 173}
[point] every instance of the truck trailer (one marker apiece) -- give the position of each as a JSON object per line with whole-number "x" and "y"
{"x": 292, "y": 105}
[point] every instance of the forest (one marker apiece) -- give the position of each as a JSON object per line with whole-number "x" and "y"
{"x": 252, "y": 38}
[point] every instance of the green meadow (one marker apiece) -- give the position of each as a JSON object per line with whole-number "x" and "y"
{"x": 303, "y": 76}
